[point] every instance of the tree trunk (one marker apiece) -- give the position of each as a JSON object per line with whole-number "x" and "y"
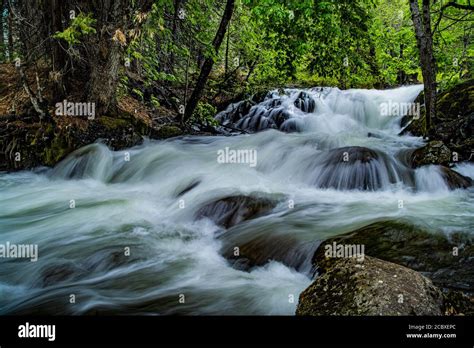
{"x": 174, "y": 31}
{"x": 10, "y": 34}
{"x": 251, "y": 69}
{"x": 56, "y": 11}
{"x": 402, "y": 78}
{"x": 105, "y": 58}
{"x": 209, "y": 62}
{"x": 104, "y": 76}
{"x": 2, "y": 49}
{"x": 464, "y": 62}
{"x": 424, "y": 40}
{"x": 58, "y": 55}
{"x": 226, "y": 66}
{"x": 430, "y": 67}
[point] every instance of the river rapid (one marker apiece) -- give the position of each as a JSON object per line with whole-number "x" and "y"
{"x": 118, "y": 230}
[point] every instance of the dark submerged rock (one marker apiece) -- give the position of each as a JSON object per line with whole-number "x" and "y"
{"x": 252, "y": 116}
{"x": 259, "y": 250}
{"x": 454, "y": 180}
{"x": 305, "y": 103}
{"x": 356, "y": 167}
{"x": 188, "y": 188}
{"x": 230, "y": 211}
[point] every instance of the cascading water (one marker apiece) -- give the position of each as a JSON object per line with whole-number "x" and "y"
{"x": 328, "y": 161}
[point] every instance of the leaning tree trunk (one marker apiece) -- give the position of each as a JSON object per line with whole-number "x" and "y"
{"x": 58, "y": 54}
{"x": 2, "y": 41}
{"x": 10, "y": 34}
{"x": 424, "y": 40}
{"x": 174, "y": 32}
{"x": 209, "y": 62}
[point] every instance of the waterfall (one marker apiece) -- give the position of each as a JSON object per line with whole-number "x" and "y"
{"x": 327, "y": 161}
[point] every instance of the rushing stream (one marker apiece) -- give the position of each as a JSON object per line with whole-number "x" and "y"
{"x": 95, "y": 206}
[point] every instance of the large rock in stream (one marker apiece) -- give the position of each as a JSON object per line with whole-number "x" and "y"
{"x": 448, "y": 261}
{"x": 259, "y": 114}
{"x": 435, "y": 152}
{"x": 247, "y": 246}
{"x": 357, "y": 168}
{"x": 230, "y": 211}
{"x": 385, "y": 280}
{"x": 371, "y": 287}
{"x": 454, "y": 180}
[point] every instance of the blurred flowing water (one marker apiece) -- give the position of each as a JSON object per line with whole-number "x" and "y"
{"x": 149, "y": 204}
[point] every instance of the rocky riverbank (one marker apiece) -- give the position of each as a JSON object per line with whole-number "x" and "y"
{"x": 27, "y": 142}
{"x": 404, "y": 270}
{"x": 452, "y": 138}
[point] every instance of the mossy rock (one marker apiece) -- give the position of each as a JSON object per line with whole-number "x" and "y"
{"x": 457, "y": 303}
{"x": 370, "y": 287}
{"x": 58, "y": 149}
{"x": 168, "y": 131}
{"x": 454, "y": 122}
{"x": 435, "y": 152}
{"x": 112, "y": 122}
{"x": 449, "y": 262}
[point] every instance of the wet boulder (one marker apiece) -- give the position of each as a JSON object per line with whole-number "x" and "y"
{"x": 371, "y": 287}
{"x": 447, "y": 261}
{"x": 454, "y": 180}
{"x": 248, "y": 248}
{"x": 353, "y": 154}
{"x": 235, "y": 112}
{"x": 270, "y": 113}
{"x": 256, "y": 122}
{"x": 292, "y": 125}
{"x": 264, "y": 117}
{"x": 230, "y": 211}
{"x": 274, "y": 103}
{"x": 279, "y": 116}
{"x": 435, "y": 152}
{"x": 355, "y": 167}
{"x": 305, "y": 103}
{"x": 242, "y": 110}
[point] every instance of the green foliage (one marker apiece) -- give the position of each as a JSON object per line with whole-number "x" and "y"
{"x": 453, "y": 46}
{"x": 204, "y": 114}
{"x": 137, "y": 92}
{"x": 395, "y": 44}
{"x": 273, "y": 43}
{"x": 80, "y": 26}
{"x": 155, "y": 102}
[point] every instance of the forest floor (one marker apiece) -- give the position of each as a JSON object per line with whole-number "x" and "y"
{"x": 27, "y": 142}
